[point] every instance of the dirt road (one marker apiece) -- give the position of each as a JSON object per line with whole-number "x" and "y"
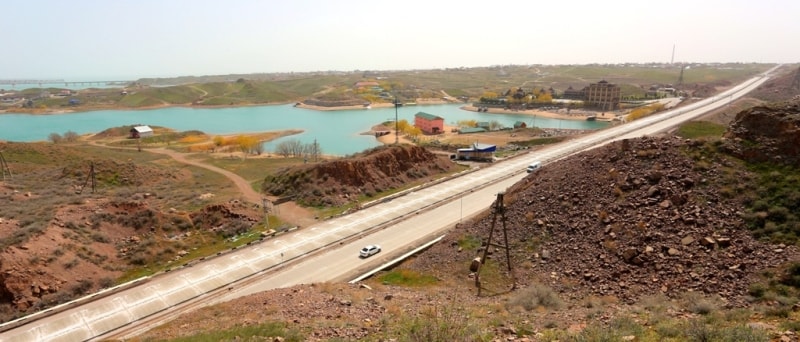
{"x": 244, "y": 186}
{"x": 288, "y": 212}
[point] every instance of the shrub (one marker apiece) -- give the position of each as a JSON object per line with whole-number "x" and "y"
{"x": 792, "y": 276}
{"x": 439, "y": 323}
{"x": 697, "y": 330}
{"x": 407, "y": 278}
{"x": 100, "y": 237}
{"x": 83, "y": 286}
{"x": 258, "y": 332}
{"x": 757, "y": 290}
{"x": 105, "y": 282}
{"x": 696, "y": 303}
{"x": 534, "y": 296}
{"x": 469, "y": 242}
{"x": 72, "y": 263}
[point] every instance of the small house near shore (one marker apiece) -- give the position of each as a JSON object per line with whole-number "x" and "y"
{"x": 142, "y": 131}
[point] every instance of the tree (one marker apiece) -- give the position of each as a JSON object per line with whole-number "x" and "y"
{"x": 246, "y": 143}
{"x": 296, "y": 147}
{"x": 414, "y": 131}
{"x": 291, "y": 147}
{"x": 219, "y": 141}
{"x": 258, "y": 148}
{"x": 55, "y": 138}
{"x": 544, "y": 97}
{"x": 403, "y": 125}
{"x": 71, "y": 136}
{"x": 283, "y": 149}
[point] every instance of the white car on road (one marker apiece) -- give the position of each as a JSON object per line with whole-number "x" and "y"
{"x": 369, "y": 251}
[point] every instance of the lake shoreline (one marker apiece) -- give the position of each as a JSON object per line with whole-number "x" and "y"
{"x": 576, "y": 115}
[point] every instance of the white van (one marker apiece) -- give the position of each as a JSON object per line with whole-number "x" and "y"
{"x": 534, "y": 166}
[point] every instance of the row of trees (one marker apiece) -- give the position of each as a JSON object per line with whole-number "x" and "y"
{"x": 69, "y": 136}
{"x": 641, "y": 112}
{"x": 409, "y": 129}
{"x": 245, "y": 144}
{"x": 295, "y": 148}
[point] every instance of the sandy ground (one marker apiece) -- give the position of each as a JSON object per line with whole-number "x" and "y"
{"x": 420, "y": 101}
{"x": 320, "y": 108}
{"x": 560, "y": 114}
{"x": 451, "y": 136}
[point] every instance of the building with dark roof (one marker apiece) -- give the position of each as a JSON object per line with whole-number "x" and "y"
{"x": 477, "y": 151}
{"x": 429, "y": 123}
{"x": 573, "y": 94}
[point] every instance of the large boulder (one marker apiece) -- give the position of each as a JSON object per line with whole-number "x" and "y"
{"x": 767, "y": 133}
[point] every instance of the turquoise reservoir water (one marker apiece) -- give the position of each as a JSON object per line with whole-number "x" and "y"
{"x": 337, "y": 132}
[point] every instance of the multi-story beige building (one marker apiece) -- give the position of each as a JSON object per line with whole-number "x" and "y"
{"x": 602, "y": 95}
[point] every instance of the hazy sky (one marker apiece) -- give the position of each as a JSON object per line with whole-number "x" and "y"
{"x": 128, "y": 39}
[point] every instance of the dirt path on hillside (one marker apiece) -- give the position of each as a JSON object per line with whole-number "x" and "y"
{"x": 288, "y": 212}
{"x": 245, "y": 189}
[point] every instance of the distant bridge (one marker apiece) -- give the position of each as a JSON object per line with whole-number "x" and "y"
{"x": 66, "y": 83}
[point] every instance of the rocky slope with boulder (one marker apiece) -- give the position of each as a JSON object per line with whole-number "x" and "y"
{"x": 768, "y": 133}
{"x": 631, "y": 219}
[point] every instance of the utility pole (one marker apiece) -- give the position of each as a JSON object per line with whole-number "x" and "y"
{"x": 265, "y": 203}
{"x": 680, "y": 78}
{"x": 90, "y": 176}
{"x": 316, "y": 150}
{"x": 396, "y": 124}
{"x": 672, "y": 60}
{"x": 4, "y": 167}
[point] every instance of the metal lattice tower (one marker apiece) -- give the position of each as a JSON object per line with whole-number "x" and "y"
{"x": 680, "y": 78}
{"x": 796, "y": 82}
{"x": 498, "y": 209}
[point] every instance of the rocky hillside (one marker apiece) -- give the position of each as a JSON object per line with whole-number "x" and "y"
{"x": 60, "y": 240}
{"x": 658, "y": 217}
{"x": 341, "y": 181}
{"x": 767, "y": 133}
{"x": 781, "y": 88}
{"x": 631, "y": 219}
